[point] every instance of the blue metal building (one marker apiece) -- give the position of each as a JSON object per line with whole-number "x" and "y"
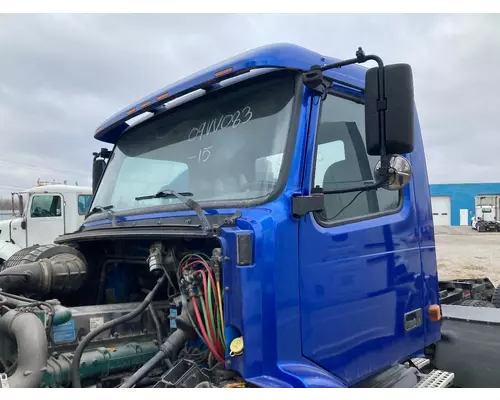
{"x": 454, "y": 204}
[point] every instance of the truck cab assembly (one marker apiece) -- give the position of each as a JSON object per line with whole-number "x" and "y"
{"x": 265, "y": 222}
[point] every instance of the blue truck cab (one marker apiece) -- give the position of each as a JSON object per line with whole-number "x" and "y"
{"x": 309, "y": 174}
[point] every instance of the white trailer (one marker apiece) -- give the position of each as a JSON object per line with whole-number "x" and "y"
{"x": 45, "y": 212}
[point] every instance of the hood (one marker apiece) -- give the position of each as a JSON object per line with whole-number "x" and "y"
{"x": 4, "y": 228}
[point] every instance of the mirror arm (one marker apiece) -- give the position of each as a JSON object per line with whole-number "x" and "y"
{"x": 373, "y": 186}
{"x": 315, "y": 80}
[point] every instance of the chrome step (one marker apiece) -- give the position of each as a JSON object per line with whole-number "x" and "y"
{"x": 436, "y": 379}
{"x": 420, "y": 362}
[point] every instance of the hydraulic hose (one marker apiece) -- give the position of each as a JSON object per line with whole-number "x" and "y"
{"x": 75, "y": 365}
{"x": 156, "y": 321}
{"x": 32, "y": 348}
{"x": 204, "y": 333}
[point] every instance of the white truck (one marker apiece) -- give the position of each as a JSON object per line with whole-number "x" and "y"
{"x": 45, "y": 212}
{"x": 487, "y": 216}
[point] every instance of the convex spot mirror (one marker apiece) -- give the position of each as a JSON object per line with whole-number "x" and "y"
{"x": 399, "y": 173}
{"x": 399, "y": 113}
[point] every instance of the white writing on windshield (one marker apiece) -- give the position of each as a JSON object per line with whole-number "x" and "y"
{"x": 232, "y": 120}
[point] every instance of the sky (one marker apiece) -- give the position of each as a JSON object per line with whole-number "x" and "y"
{"x": 62, "y": 75}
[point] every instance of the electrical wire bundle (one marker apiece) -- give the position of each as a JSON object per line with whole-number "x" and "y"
{"x": 202, "y": 280}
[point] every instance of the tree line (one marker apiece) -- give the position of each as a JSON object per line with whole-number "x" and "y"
{"x": 6, "y": 204}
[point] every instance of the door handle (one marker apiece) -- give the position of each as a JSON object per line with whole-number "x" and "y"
{"x": 413, "y": 319}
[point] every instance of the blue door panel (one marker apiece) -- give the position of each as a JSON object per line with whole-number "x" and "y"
{"x": 357, "y": 282}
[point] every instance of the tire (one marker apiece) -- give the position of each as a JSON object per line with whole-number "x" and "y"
{"x": 476, "y": 303}
{"x": 495, "y": 299}
{"x": 35, "y": 253}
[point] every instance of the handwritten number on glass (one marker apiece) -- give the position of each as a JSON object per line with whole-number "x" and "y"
{"x": 203, "y": 155}
{"x": 225, "y": 121}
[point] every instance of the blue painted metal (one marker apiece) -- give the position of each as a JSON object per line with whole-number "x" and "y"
{"x": 462, "y": 196}
{"x": 271, "y": 56}
{"x": 357, "y": 281}
{"x": 320, "y": 306}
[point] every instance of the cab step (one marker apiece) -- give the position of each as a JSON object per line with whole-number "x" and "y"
{"x": 420, "y": 362}
{"x": 436, "y": 379}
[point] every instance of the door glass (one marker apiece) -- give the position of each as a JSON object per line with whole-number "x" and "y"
{"x": 342, "y": 162}
{"x": 44, "y": 206}
{"x": 84, "y": 201}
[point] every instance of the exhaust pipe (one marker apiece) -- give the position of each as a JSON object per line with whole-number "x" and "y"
{"x": 32, "y": 349}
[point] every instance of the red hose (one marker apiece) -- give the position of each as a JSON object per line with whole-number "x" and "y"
{"x": 203, "y": 332}
{"x": 209, "y": 320}
{"x": 216, "y": 343}
{"x": 205, "y": 265}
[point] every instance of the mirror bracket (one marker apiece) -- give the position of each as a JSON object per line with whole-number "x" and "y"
{"x": 314, "y": 80}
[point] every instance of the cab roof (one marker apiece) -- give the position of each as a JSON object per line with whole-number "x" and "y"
{"x": 282, "y": 55}
{"x": 59, "y": 189}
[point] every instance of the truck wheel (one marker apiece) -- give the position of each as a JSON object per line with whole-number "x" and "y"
{"x": 495, "y": 299}
{"x": 476, "y": 303}
{"x": 35, "y": 253}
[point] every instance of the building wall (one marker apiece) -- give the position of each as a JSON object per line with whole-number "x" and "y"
{"x": 463, "y": 195}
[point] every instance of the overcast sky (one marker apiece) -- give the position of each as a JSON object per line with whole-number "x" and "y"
{"x": 62, "y": 75}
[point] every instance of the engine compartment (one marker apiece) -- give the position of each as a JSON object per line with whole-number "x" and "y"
{"x": 116, "y": 313}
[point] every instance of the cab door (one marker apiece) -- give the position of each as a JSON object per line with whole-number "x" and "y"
{"x": 360, "y": 268}
{"x": 45, "y": 219}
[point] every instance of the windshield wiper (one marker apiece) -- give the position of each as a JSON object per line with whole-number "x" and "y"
{"x": 106, "y": 209}
{"x": 182, "y": 196}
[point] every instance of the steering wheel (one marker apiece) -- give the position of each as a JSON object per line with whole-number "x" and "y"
{"x": 42, "y": 212}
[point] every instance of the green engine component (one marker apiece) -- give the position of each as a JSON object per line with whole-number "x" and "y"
{"x": 61, "y": 316}
{"x": 98, "y": 362}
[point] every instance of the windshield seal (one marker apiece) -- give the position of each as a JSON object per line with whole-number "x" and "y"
{"x": 289, "y": 147}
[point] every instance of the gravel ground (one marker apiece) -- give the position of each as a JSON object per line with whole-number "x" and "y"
{"x": 464, "y": 253}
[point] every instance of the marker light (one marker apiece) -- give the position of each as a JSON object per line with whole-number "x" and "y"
{"x": 224, "y": 72}
{"x": 162, "y": 96}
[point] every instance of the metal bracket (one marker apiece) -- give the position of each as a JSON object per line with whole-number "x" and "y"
{"x": 301, "y": 205}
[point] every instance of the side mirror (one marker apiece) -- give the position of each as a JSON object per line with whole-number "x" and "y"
{"x": 23, "y": 224}
{"x": 399, "y": 114}
{"x": 98, "y": 167}
{"x": 399, "y": 173}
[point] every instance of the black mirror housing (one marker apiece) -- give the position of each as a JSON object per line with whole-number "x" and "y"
{"x": 98, "y": 167}
{"x": 23, "y": 224}
{"x": 399, "y": 113}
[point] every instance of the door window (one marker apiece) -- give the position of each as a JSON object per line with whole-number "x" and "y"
{"x": 342, "y": 162}
{"x": 84, "y": 201}
{"x": 43, "y": 206}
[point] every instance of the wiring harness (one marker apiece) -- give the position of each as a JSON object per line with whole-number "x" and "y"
{"x": 199, "y": 279}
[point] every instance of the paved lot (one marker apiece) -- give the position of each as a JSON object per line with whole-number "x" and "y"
{"x": 464, "y": 253}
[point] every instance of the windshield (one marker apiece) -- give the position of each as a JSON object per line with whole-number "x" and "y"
{"x": 225, "y": 146}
